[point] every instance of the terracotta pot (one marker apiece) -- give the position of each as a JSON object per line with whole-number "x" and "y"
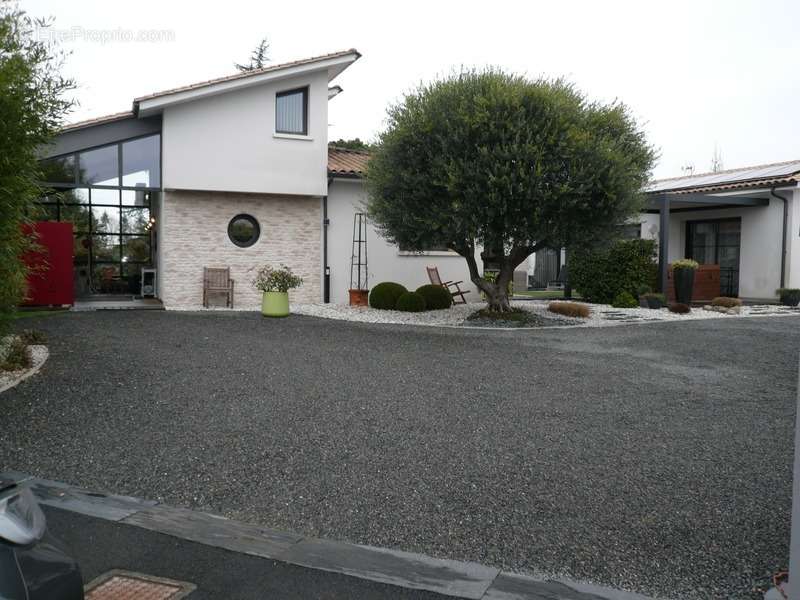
{"x": 359, "y": 297}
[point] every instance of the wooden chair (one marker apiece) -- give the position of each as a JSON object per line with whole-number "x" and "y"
{"x": 217, "y": 281}
{"x": 451, "y": 286}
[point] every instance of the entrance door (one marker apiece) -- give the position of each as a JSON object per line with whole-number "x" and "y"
{"x": 717, "y": 242}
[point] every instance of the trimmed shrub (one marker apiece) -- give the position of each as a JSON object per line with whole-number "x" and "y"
{"x": 624, "y": 300}
{"x": 600, "y": 274}
{"x": 15, "y": 354}
{"x": 410, "y": 302}
{"x": 569, "y": 309}
{"x": 436, "y": 296}
{"x": 679, "y": 308}
{"x": 384, "y": 295}
{"x": 33, "y": 337}
{"x": 726, "y": 301}
{"x": 789, "y": 296}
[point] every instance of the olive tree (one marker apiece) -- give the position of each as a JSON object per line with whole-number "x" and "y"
{"x": 32, "y": 106}
{"x": 494, "y": 161}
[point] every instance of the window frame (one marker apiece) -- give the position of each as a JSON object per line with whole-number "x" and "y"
{"x": 75, "y": 183}
{"x": 303, "y": 90}
{"x": 253, "y": 239}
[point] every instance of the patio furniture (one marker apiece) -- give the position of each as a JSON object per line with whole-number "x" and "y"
{"x": 452, "y": 286}
{"x": 217, "y": 281}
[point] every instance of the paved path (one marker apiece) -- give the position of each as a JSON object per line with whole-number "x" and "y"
{"x": 655, "y": 458}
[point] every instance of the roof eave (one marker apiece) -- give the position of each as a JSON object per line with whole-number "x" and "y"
{"x": 340, "y": 175}
{"x": 788, "y": 181}
{"x": 149, "y": 105}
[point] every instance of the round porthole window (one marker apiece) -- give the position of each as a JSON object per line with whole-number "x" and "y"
{"x": 243, "y": 230}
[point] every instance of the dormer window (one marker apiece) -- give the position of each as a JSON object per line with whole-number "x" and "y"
{"x": 291, "y": 112}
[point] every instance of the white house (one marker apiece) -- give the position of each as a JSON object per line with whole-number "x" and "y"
{"x": 237, "y": 172}
{"x": 745, "y": 220}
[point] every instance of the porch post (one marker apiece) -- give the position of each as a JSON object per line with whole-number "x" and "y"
{"x": 663, "y": 244}
{"x": 794, "y": 545}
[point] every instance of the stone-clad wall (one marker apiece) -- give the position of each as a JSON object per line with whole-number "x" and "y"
{"x": 194, "y": 234}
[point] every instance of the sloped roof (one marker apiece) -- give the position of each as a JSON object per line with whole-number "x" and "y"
{"x": 786, "y": 172}
{"x": 120, "y": 116}
{"x": 247, "y": 74}
{"x": 343, "y": 162}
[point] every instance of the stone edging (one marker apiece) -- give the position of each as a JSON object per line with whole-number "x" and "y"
{"x": 394, "y": 567}
{"x": 17, "y": 379}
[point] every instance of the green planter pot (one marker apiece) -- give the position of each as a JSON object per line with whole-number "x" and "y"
{"x": 275, "y": 304}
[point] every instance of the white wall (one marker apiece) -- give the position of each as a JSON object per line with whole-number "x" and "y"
{"x": 385, "y": 261}
{"x": 760, "y": 253}
{"x": 228, "y": 142}
{"x": 792, "y": 238}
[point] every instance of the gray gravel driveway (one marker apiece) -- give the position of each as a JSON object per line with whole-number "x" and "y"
{"x": 651, "y": 457}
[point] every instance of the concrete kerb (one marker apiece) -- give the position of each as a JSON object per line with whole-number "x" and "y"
{"x": 394, "y": 567}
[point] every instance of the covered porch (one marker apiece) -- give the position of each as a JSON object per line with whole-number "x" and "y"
{"x": 734, "y": 220}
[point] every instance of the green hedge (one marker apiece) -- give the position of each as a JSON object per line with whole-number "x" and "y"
{"x": 384, "y": 295}
{"x": 436, "y": 296}
{"x": 411, "y": 302}
{"x": 624, "y": 300}
{"x": 601, "y": 274}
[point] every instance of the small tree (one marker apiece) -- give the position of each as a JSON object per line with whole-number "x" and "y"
{"x": 493, "y": 160}
{"x": 32, "y": 107}
{"x": 258, "y": 58}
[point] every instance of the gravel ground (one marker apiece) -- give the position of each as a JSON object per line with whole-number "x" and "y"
{"x": 10, "y": 378}
{"x": 656, "y": 459}
{"x": 601, "y": 315}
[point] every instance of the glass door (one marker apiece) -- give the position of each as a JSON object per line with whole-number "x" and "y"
{"x": 717, "y": 242}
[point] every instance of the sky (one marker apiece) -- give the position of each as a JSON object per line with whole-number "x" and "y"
{"x": 698, "y": 76}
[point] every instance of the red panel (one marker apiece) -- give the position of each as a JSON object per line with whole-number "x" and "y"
{"x": 706, "y": 284}
{"x": 50, "y": 280}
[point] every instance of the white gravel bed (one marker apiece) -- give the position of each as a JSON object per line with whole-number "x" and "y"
{"x": 9, "y": 379}
{"x": 601, "y": 315}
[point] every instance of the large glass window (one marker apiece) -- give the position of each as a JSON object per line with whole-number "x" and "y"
{"x": 291, "y": 112}
{"x": 135, "y": 220}
{"x": 140, "y": 164}
{"x": 59, "y": 170}
{"x": 100, "y": 166}
{"x": 105, "y": 219}
{"x": 135, "y": 198}
{"x": 108, "y": 201}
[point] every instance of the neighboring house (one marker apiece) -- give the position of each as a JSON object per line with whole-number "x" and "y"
{"x": 237, "y": 172}
{"x": 745, "y": 220}
{"x": 233, "y": 172}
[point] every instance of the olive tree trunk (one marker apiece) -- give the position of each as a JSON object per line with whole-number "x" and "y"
{"x": 497, "y": 291}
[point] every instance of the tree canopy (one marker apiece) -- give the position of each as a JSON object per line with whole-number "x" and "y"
{"x": 351, "y": 144}
{"x": 491, "y": 160}
{"x": 32, "y": 106}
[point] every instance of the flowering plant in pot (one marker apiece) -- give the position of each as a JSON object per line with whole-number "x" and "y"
{"x": 275, "y": 285}
{"x": 683, "y": 278}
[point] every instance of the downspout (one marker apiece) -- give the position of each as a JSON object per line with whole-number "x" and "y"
{"x": 783, "y": 239}
{"x": 326, "y": 270}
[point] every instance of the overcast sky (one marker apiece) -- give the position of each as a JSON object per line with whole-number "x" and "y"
{"x": 696, "y": 74}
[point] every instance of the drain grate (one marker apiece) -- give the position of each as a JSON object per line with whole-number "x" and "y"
{"x": 123, "y": 585}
